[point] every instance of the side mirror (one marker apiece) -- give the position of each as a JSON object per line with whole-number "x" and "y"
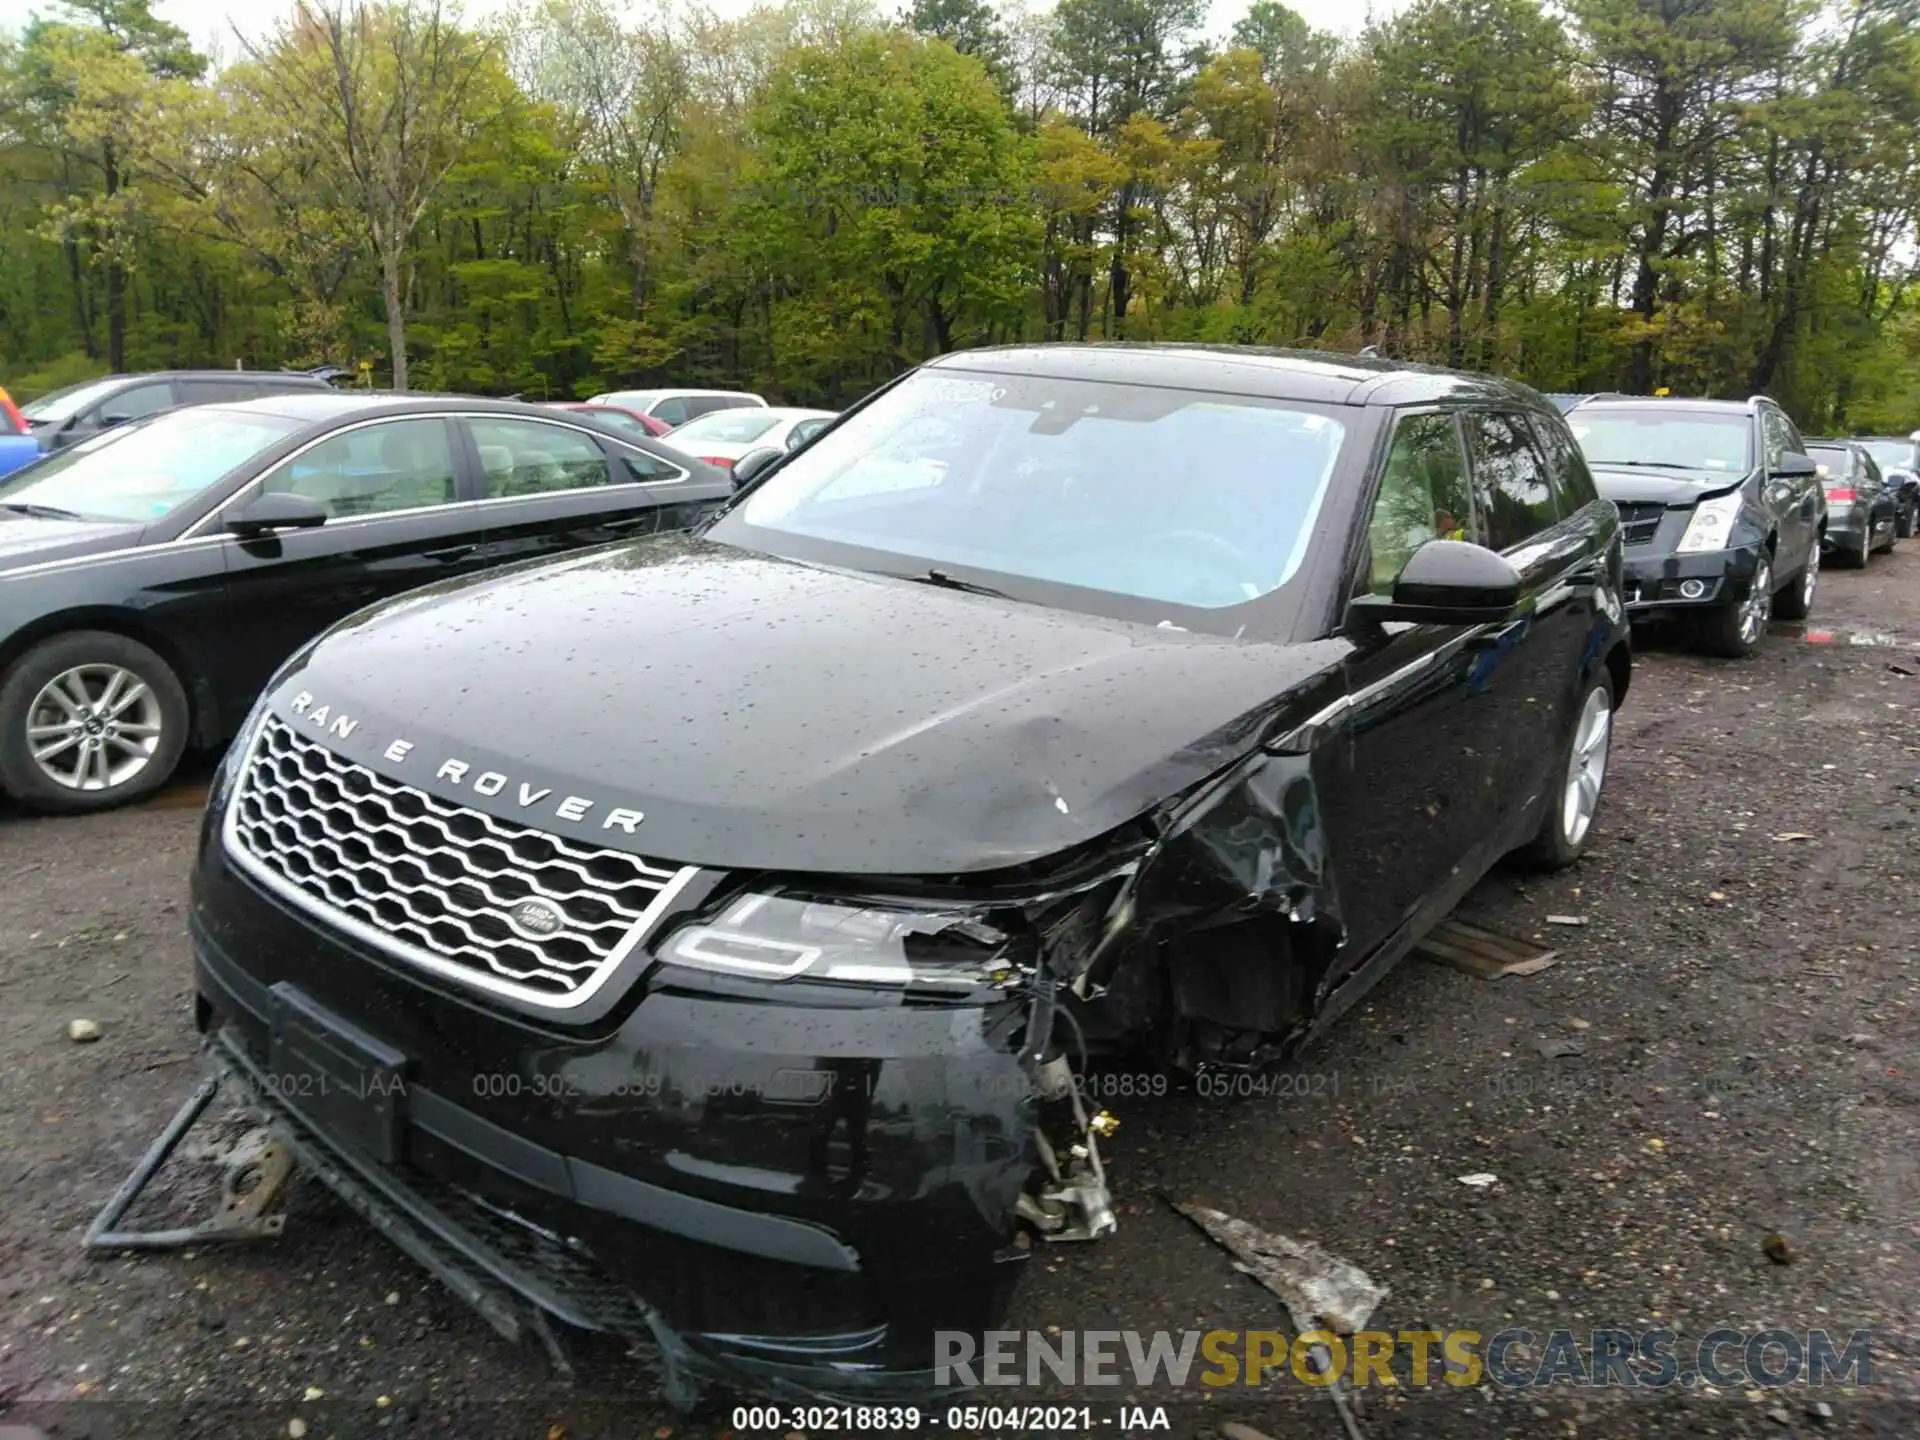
{"x": 278, "y": 511}
{"x": 1793, "y": 466}
{"x": 113, "y": 418}
{"x": 1447, "y": 582}
{"x": 751, "y": 464}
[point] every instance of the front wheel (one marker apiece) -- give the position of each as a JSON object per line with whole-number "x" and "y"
{"x": 1567, "y": 826}
{"x": 1735, "y": 630}
{"x": 1903, "y": 519}
{"x": 89, "y": 720}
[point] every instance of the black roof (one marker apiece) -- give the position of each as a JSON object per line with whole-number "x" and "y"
{"x": 1316, "y": 376}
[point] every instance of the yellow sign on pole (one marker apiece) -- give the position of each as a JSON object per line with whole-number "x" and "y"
{"x": 1663, "y": 390}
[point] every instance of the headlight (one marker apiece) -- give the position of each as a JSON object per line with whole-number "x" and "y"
{"x": 780, "y": 937}
{"x": 1712, "y": 523}
{"x": 236, "y": 755}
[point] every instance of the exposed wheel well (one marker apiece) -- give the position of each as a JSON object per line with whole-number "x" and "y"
{"x": 202, "y": 711}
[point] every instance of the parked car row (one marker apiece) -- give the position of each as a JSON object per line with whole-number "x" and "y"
{"x": 1726, "y": 509}
{"x": 705, "y": 937}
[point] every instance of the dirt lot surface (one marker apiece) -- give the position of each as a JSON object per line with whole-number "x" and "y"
{"x": 1742, "y": 999}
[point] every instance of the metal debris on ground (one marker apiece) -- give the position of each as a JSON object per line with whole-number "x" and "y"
{"x": 1483, "y": 953}
{"x": 1319, "y": 1289}
{"x": 1480, "y": 1180}
{"x": 1551, "y": 1049}
{"x": 1566, "y": 919}
{"x": 82, "y": 1032}
{"x": 1776, "y": 1249}
{"x": 1791, "y": 836}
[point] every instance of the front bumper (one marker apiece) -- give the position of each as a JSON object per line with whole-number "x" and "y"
{"x": 792, "y": 1197}
{"x": 1659, "y": 581}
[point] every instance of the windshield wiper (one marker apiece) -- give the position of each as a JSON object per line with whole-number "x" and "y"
{"x": 1643, "y": 465}
{"x": 43, "y": 512}
{"x": 954, "y": 582}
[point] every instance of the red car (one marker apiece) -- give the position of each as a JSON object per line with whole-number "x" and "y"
{"x": 618, "y": 416}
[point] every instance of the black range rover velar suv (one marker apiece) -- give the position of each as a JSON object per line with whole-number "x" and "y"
{"x": 706, "y": 938}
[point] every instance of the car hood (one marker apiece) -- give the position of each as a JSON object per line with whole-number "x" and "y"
{"x": 1630, "y": 485}
{"x": 765, "y": 714}
{"x": 30, "y": 540}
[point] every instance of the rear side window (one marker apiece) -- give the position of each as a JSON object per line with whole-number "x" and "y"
{"x": 1573, "y": 487}
{"x": 214, "y": 392}
{"x": 525, "y": 457}
{"x": 1423, "y": 496}
{"x": 1509, "y": 478}
{"x": 674, "y": 411}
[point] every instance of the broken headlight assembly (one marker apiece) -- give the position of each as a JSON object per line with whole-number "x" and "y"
{"x": 788, "y": 937}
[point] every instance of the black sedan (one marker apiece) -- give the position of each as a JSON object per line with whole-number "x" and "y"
{"x": 752, "y": 937}
{"x": 1721, "y": 507}
{"x": 1862, "y": 510}
{"x": 152, "y": 578}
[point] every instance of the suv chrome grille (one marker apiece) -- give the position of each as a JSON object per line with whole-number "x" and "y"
{"x": 436, "y": 883}
{"x": 1639, "y": 521}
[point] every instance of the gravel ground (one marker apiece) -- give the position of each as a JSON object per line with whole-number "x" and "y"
{"x": 1743, "y": 1004}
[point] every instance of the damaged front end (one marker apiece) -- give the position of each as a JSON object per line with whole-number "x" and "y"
{"x": 820, "y": 1128}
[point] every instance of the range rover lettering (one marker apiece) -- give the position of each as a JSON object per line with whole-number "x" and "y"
{"x": 153, "y": 577}
{"x": 721, "y": 926}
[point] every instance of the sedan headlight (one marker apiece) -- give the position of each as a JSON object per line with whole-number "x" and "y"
{"x": 781, "y": 937}
{"x": 1712, "y": 524}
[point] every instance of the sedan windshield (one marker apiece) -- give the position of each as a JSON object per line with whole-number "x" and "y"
{"x": 1892, "y": 454}
{"x": 65, "y": 404}
{"x": 145, "y": 471}
{"x": 1662, "y": 439}
{"x": 735, "y": 426}
{"x": 1173, "y": 497}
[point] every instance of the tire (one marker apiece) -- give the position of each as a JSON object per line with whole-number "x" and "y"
{"x": 1853, "y": 559}
{"x": 1893, "y": 535}
{"x": 1903, "y": 521}
{"x": 1729, "y": 630}
{"x": 56, "y": 688}
{"x": 1796, "y": 601}
{"x": 1566, "y": 830}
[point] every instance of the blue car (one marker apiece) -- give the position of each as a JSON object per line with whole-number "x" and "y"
{"x": 17, "y": 445}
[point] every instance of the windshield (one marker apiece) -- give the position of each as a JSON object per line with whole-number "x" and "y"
{"x": 1167, "y": 496}
{"x": 641, "y": 400}
{"x": 729, "y": 427}
{"x": 67, "y": 403}
{"x": 1892, "y": 454}
{"x": 1663, "y": 439}
{"x": 144, "y": 471}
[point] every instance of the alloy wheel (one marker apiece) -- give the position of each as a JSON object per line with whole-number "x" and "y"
{"x": 1757, "y": 608}
{"x": 1587, "y": 765}
{"x": 94, "y": 727}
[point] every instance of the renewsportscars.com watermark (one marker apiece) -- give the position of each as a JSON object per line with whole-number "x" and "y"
{"x": 1515, "y": 1359}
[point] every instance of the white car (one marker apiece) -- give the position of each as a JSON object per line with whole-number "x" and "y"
{"x": 676, "y": 407}
{"x": 721, "y": 437}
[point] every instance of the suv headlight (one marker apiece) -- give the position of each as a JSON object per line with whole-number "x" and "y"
{"x": 781, "y": 937}
{"x": 1712, "y": 523}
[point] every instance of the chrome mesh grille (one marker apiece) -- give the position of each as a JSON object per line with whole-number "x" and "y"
{"x": 433, "y": 881}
